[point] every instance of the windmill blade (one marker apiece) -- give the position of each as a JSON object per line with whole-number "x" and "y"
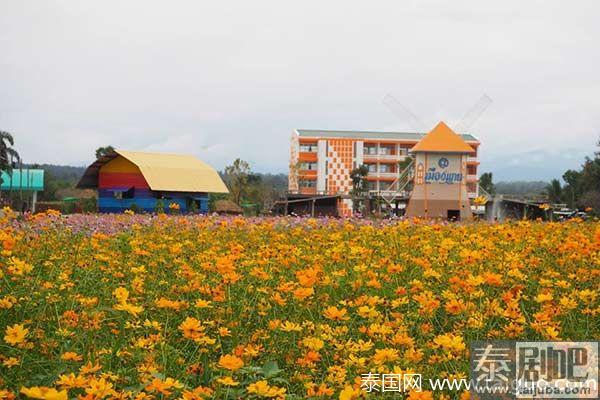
{"x": 404, "y": 113}
{"x": 469, "y": 119}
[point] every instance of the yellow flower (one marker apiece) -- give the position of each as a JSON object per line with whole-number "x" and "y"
{"x": 7, "y": 302}
{"x": 424, "y": 395}
{"x": 163, "y": 386}
{"x": 543, "y": 297}
{"x": 191, "y": 328}
{"x": 224, "y": 332}
{"x": 454, "y": 306}
{"x": 203, "y": 303}
{"x": 44, "y": 393}
{"x": 130, "y": 308}
{"x": 232, "y": 363}
{"x": 121, "y": 294}
{"x": 263, "y": 389}
{"x": 199, "y": 393}
{"x": 99, "y": 388}
{"x": 227, "y": 381}
{"x": 450, "y": 342}
{"x": 18, "y": 267}
{"x": 71, "y": 381}
{"x": 15, "y": 334}
{"x": 71, "y": 356}
{"x": 10, "y": 362}
{"x": 367, "y": 312}
{"x": 289, "y": 326}
{"x": 385, "y": 355}
{"x": 313, "y": 343}
{"x": 303, "y": 293}
{"x": 349, "y": 393}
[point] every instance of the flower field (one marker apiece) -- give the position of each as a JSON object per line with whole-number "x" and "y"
{"x": 140, "y": 307}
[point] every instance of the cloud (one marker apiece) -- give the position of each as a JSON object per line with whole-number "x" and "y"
{"x": 224, "y": 80}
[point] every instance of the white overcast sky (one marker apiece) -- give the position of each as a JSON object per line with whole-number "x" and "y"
{"x": 225, "y": 79}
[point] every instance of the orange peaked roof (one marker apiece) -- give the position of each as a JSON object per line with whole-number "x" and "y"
{"x": 444, "y": 140}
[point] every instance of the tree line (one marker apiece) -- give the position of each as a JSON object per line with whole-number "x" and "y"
{"x": 581, "y": 188}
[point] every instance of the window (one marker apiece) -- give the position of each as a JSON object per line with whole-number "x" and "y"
{"x": 372, "y": 167}
{"x": 370, "y": 150}
{"x": 403, "y": 151}
{"x": 384, "y": 168}
{"x": 384, "y": 185}
{"x": 310, "y": 166}
{"x": 371, "y": 185}
{"x": 307, "y": 183}
{"x": 385, "y": 150}
{"x": 308, "y": 147}
{"x": 123, "y": 193}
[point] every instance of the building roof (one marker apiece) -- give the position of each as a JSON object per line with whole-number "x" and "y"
{"x": 227, "y": 207}
{"x": 163, "y": 172}
{"x": 23, "y": 179}
{"x": 442, "y": 139}
{"x": 412, "y": 136}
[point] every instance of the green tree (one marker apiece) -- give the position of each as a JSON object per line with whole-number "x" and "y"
{"x": 554, "y": 191}
{"x": 590, "y": 200}
{"x": 359, "y": 183}
{"x": 102, "y": 151}
{"x": 572, "y": 190}
{"x": 486, "y": 183}
{"x": 8, "y": 155}
{"x": 236, "y": 178}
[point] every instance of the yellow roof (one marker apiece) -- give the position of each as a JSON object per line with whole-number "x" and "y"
{"x": 176, "y": 172}
{"x": 444, "y": 140}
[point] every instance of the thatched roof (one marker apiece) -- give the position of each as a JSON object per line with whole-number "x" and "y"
{"x": 227, "y": 207}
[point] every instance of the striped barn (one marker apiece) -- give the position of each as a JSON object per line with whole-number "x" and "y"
{"x": 129, "y": 180}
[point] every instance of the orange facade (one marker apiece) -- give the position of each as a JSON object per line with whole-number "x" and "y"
{"x": 321, "y": 161}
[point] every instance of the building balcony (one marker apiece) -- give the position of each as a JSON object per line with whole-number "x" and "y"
{"x": 472, "y": 159}
{"x": 472, "y": 195}
{"x": 309, "y": 173}
{"x": 383, "y": 175}
{"x": 384, "y": 157}
{"x": 471, "y": 178}
{"x": 390, "y": 193}
{"x": 307, "y": 156}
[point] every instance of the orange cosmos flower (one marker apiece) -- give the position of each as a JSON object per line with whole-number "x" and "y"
{"x": 231, "y": 363}
{"x": 336, "y": 314}
{"x": 71, "y": 356}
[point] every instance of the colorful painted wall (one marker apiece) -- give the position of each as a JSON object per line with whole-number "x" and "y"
{"x": 121, "y": 186}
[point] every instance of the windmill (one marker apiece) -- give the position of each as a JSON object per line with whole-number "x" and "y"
{"x": 468, "y": 120}
{"x": 406, "y": 175}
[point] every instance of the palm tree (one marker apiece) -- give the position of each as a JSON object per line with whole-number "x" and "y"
{"x": 8, "y": 155}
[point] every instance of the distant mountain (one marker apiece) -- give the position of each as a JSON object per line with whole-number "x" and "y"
{"x": 535, "y": 165}
{"x": 61, "y": 172}
{"x": 521, "y": 187}
{"x": 73, "y": 174}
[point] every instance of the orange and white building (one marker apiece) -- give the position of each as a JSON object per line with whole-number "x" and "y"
{"x": 321, "y": 162}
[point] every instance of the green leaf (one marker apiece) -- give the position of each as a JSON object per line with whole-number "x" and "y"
{"x": 270, "y": 369}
